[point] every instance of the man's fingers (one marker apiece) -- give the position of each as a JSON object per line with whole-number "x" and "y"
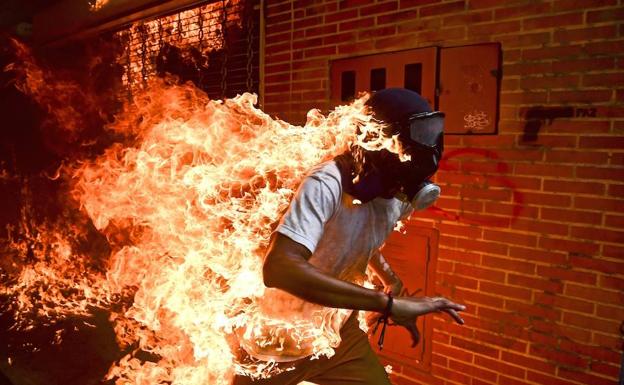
{"x": 414, "y": 332}
{"x": 454, "y": 315}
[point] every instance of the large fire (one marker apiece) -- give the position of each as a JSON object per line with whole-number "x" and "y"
{"x": 187, "y": 203}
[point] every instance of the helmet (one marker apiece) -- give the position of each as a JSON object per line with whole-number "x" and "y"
{"x": 420, "y": 131}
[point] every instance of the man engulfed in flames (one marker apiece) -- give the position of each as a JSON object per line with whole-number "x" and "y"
{"x": 334, "y": 228}
{"x": 186, "y": 197}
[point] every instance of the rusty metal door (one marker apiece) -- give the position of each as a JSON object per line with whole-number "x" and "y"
{"x": 413, "y": 257}
{"x": 414, "y": 69}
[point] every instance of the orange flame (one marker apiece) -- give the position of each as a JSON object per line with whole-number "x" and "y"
{"x": 188, "y": 209}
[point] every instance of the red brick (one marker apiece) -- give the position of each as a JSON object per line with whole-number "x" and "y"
{"x": 547, "y": 82}
{"x": 396, "y": 17}
{"x": 307, "y": 22}
{"x": 598, "y": 234}
{"x": 379, "y": 8}
{"x": 494, "y": 28}
{"x": 510, "y": 238}
{"x": 543, "y": 169}
{"x": 552, "y": 141}
{"x": 574, "y": 187}
{"x": 475, "y": 347}
{"x": 450, "y": 351}
{"x": 547, "y": 199}
{"x": 611, "y": 173}
{"x": 588, "y": 248}
{"x": 582, "y": 65}
{"x": 604, "y": 47}
{"x": 472, "y": 371}
{"x": 376, "y": 32}
{"x": 592, "y": 323}
{"x": 533, "y": 311}
{"x": 321, "y": 9}
{"x": 340, "y": 38}
{"x": 605, "y": 369}
{"x": 545, "y": 285}
{"x": 557, "y": 356}
{"x": 503, "y": 317}
{"x": 467, "y": 18}
{"x": 594, "y": 203}
{"x": 610, "y": 312}
{"x": 583, "y": 377}
{"x": 616, "y": 190}
{"x": 480, "y": 273}
{"x": 612, "y": 251}
{"x": 453, "y": 280}
{"x": 500, "y": 367}
{"x": 320, "y": 51}
{"x": 461, "y": 230}
{"x": 572, "y": 5}
{"x": 439, "y": 9}
{"x": 513, "y": 210}
{"x": 450, "y": 375}
{"x": 556, "y": 21}
{"x": 558, "y": 53}
{"x": 576, "y": 157}
{"x": 341, "y": 16}
{"x": 611, "y": 14}
{"x": 540, "y": 227}
{"x": 614, "y": 221}
{"x": 357, "y": 24}
{"x": 543, "y": 256}
{"x": 444, "y": 34}
{"x": 570, "y": 215}
{"x": 569, "y": 35}
{"x": 352, "y": 3}
{"x": 562, "y": 126}
{"x": 594, "y": 96}
{"x": 611, "y": 283}
{"x": 566, "y": 275}
{"x": 528, "y": 362}
{"x": 603, "y": 142}
{"x": 595, "y": 264}
{"x": 541, "y": 379}
{"x": 417, "y": 3}
{"x": 574, "y": 304}
{"x": 523, "y": 97}
{"x": 359, "y": 47}
{"x": 510, "y": 265}
{"x": 321, "y": 30}
{"x": 505, "y": 291}
{"x": 594, "y": 294}
{"x": 522, "y": 10}
{"x": 487, "y": 194}
{"x": 515, "y": 183}
{"x": 486, "y": 247}
{"x": 523, "y": 68}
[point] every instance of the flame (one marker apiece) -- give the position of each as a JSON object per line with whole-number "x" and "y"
{"x": 199, "y": 27}
{"x": 187, "y": 201}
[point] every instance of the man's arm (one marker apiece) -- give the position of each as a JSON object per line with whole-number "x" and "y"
{"x": 286, "y": 267}
{"x": 383, "y": 271}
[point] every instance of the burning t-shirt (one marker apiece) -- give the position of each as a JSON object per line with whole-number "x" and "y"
{"x": 342, "y": 236}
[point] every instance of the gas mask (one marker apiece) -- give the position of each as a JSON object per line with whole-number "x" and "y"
{"x": 422, "y": 137}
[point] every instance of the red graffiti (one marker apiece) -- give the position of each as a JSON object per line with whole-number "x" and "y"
{"x": 502, "y": 168}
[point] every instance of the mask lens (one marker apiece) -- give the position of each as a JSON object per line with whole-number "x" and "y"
{"x": 427, "y": 129}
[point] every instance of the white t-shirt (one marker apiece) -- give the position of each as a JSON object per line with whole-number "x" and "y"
{"x": 342, "y": 237}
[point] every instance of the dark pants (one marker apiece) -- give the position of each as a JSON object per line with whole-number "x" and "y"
{"x": 354, "y": 363}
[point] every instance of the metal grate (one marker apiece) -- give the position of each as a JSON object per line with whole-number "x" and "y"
{"x": 214, "y": 45}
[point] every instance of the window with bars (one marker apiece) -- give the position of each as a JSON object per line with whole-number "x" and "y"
{"x": 214, "y": 45}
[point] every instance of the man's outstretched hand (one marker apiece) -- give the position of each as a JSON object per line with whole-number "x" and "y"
{"x": 405, "y": 310}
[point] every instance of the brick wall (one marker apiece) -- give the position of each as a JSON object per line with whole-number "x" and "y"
{"x": 535, "y": 243}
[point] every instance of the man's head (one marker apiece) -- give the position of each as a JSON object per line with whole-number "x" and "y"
{"x": 420, "y": 132}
